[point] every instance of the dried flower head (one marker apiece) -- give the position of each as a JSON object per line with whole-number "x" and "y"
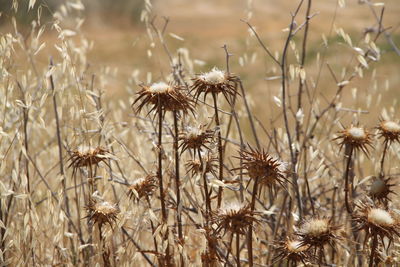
{"x": 143, "y": 187}
{"x": 195, "y": 138}
{"x": 207, "y": 164}
{"x": 216, "y": 81}
{"x": 390, "y": 131}
{"x": 235, "y": 218}
{"x": 317, "y": 232}
{"x": 259, "y": 164}
{"x": 102, "y": 212}
{"x": 293, "y": 250}
{"x": 376, "y": 221}
{"x": 356, "y": 138}
{"x": 210, "y": 257}
{"x": 163, "y": 97}
{"x": 380, "y": 189}
{"x": 86, "y": 157}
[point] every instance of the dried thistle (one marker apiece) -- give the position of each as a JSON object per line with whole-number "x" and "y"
{"x": 102, "y": 212}
{"x": 210, "y": 257}
{"x": 357, "y": 138}
{"x": 143, "y": 187}
{"x": 207, "y": 164}
{"x": 86, "y": 157}
{"x": 381, "y": 188}
{"x": 235, "y": 218}
{"x": 195, "y": 138}
{"x": 390, "y": 131}
{"x": 215, "y": 82}
{"x": 376, "y": 221}
{"x": 316, "y": 232}
{"x": 260, "y": 165}
{"x": 163, "y": 97}
{"x": 292, "y": 250}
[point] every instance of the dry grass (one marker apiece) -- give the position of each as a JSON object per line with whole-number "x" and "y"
{"x": 103, "y": 165}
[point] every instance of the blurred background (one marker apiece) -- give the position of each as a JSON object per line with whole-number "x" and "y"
{"x": 121, "y": 44}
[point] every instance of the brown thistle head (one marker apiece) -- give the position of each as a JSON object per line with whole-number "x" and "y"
{"x": 102, "y": 212}
{"x": 210, "y": 257}
{"x": 390, "y": 131}
{"x": 215, "y": 82}
{"x": 316, "y": 232}
{"x": 207, "y": 164}
{"x": 195, "y": 138}
{"x": 86, "y": 157}
{"x": 357, "y": 138}
{"x": 260, "y": 165}
{"x": 292, "y": 250}
{"x": 235, "y": 218}
{"x": 377, "y": 221}
{"x": 143, "y": 187}
{"x": 163, "y": 97}
{"x": 381, "y": 188}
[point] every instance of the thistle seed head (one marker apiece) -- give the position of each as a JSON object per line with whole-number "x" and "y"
{"x": 102, "y": 212}
{"x": 215, "y": 82}
{"x": 235, "y": 218}
{"x": 317, "y": 232}
{"x": 195, "y": 138}
{"x": 162, "y": 97}
{"x": 374, "y": 220}
{"x": 143, "y": 187}
{"x": 259, "y": 164}
{"x": 355, "y": 137}
{"x": 85, "y": 157}
{"x": 390, "y": 131}
{"x": 381, "y": 188}
{"x": 292, "y": 250}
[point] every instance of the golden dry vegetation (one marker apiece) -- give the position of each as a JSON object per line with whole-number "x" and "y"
{"x": 141, "y": 143}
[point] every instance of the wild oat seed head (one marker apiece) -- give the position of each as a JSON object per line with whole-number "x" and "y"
{"x": 102, "y": 212}
{"x": 259, "y": 164}
{"x": 390, "y": 131}
{"x": 216, "y": 81}
{"x": 356, "y": 138}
